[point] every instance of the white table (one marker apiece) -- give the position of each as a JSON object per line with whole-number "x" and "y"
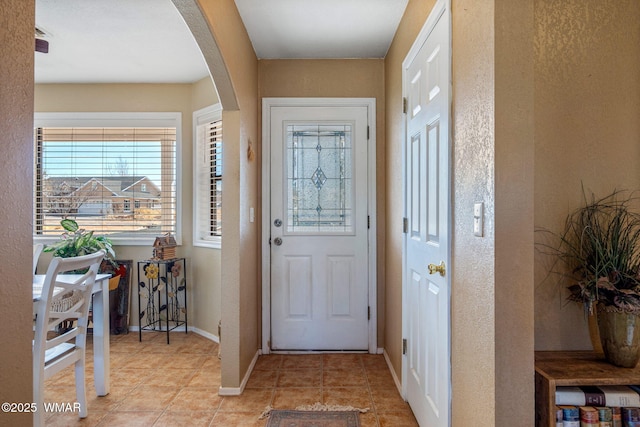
{"x": 101, "y": 326}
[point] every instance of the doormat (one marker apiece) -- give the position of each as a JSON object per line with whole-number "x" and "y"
{"x": 287, "y": 418}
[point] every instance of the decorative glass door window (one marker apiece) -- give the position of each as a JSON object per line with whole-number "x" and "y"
{"x": 319, "y": 166}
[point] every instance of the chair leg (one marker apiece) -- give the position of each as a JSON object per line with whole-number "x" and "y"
{"x": 81, "y": 392}
{"x": 38, "y": 398}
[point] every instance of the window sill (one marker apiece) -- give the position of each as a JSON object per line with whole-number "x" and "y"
{"x": 216, "y": 244}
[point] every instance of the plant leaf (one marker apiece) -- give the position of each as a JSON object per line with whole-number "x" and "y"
{"x": 69, "y": 225}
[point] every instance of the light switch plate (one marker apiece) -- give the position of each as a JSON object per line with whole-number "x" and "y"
{"x": 478, "y": 219}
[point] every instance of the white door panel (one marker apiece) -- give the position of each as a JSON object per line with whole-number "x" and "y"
{"x": 318, "y": 220}
{"x": 426, "y": 374}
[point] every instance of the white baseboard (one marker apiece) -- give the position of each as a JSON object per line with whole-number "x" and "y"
{"x": 198, "y": 331}
{"x": 393, "y": 373}
{"x": 205, "y": 334}
{"x": 237, "y": 391}
{"x": 229, "y": 391}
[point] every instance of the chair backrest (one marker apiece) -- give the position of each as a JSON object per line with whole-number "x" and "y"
{"x": 71, "y": 302}
{"x": 37, "y": 250}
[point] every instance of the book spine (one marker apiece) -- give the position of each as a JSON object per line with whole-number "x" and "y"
{"x": 589, "y": 417}
{"x": 616, "y": 417}
{"x": 605, "y": 416}
{"x": 570, "y": 416}
{"x": 593, "y": 396}
{"x": 631, "y": 417}
{"x": 558, "y": 416}
{"x": 622, "y": 396}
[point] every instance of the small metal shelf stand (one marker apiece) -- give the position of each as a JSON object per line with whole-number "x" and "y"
{"x": 162, "y": 295}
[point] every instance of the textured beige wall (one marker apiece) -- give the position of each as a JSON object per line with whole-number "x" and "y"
{"x": 241, "y": 246}
{"x": 492, "y": 307}
{"x": 473, "y": 340}
{"x": 351, "y": 78}
{"x": 203, "y": 264}
{"x": 203, "y": 94}
{"x": 513, "y": 187}
{"x": 587, "y": 104}
{"x": 492, "y": 278}
{"x": 16, "y": 140}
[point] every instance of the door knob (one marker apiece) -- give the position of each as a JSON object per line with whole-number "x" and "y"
{"x": 277, "y": 241}
{"x": 433, "y": 269}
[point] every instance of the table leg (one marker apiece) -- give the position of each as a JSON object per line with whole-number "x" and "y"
{"x": 101, "y": 329}
{"x": 167, "y": 277}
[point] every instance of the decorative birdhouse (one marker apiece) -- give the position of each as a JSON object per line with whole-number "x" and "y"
{"x": 164, "y": 247}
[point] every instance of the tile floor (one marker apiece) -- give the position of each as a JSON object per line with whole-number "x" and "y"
{"x": 155, "y": 384}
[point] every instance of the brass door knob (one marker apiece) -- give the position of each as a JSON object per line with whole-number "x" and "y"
{"x": 433, "y": 269}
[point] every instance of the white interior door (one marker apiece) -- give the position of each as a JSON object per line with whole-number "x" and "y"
{"x": 426, "y": 369}
{"x": 319, "y": 228}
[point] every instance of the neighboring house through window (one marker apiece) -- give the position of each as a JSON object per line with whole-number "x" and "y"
{"x": 207, "y": 160}
{"x": 91, "y": 166}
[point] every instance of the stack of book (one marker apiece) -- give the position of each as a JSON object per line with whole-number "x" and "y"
{"x": 602, "y": 406}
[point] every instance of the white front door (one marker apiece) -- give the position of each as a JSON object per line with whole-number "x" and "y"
{"x": 318, "y": 223}
{"x": 426, "y": 284}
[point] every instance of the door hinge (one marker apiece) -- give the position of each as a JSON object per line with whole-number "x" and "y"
{"x": 368, "y": 312}
{"x": 405, "y": 225}
{"x": 404, "y": 105}
{"x": 404, "y": 346}
{"x": 269, "y": 241}
{"x": 368, "y": 222}
{"x": 367, "y": 132}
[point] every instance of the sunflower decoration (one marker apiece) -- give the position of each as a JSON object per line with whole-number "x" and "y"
{"x": 151, "y": 271}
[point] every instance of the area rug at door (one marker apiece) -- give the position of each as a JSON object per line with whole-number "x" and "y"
{"x": 287, "y": 418}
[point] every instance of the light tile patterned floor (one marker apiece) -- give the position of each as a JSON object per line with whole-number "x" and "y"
{"x": 155, "y": 384}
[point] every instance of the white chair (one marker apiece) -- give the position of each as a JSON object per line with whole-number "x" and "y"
{"x": 63, "y": 301}
{"x": 37, "y": 250}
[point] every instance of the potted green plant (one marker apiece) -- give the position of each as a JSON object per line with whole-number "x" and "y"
{"x": 600, "y": 262}
{"x": 76, "y": 241}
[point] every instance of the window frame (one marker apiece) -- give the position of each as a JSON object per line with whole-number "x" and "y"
{"x": 121, "y": 119}
{"x": 200, "y": 118}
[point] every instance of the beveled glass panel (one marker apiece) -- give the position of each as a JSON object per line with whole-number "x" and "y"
{"x": 319, "y": 185}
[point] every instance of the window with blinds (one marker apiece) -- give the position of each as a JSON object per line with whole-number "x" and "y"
{"x": 208, "y": 177}
{"x": 117, "y": 181}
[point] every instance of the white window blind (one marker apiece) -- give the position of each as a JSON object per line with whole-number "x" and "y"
{"x": 117, "y": 181}
{"x": 208, "y": 177}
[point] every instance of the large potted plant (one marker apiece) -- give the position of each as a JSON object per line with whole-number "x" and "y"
{"x": 600, "y": 262}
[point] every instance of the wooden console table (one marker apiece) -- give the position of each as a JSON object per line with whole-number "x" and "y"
{"x": 573, "y": 368}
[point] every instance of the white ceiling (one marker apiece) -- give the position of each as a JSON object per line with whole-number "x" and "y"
{"x": 116, "y": 41}
{"x": 321, "y": 28}
{"x": 146, "y": 41}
